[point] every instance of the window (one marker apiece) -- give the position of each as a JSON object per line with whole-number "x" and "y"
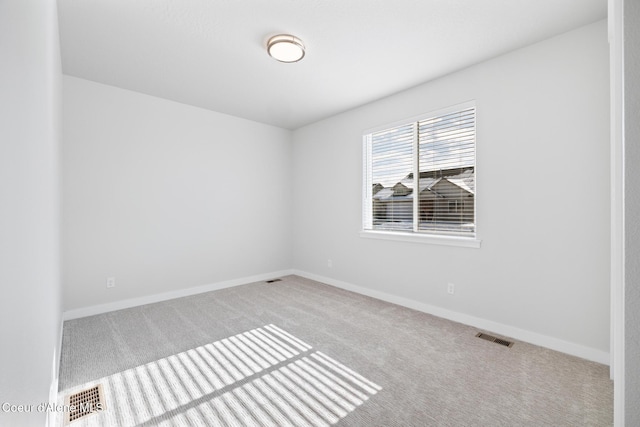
{"x": 420, "y": 175}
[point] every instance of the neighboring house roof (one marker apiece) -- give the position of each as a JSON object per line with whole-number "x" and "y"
{"x": 460, "y": 182}
{"x": 384, "y": 194}
{"x": 462, "y": 178}
{"x": 401, "y": 190}
{"x": 424, "y": 183}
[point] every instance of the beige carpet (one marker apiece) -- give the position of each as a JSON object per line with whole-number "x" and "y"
{"x": 301, "y": 353}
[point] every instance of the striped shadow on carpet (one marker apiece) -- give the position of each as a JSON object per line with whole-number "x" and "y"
{"x": 262, "y": 377}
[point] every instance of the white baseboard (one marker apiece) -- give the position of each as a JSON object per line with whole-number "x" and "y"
{"x": 552, "y": 343}
{"x": 134, "y": 302}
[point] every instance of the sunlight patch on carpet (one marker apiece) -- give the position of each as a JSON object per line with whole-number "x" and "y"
{"x": 262, "y": 377}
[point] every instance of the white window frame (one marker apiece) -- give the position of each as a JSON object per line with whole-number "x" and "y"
{"x": 415, "y": 236}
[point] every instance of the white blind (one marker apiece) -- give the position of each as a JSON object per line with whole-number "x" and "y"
{"x": 447, "y": 172}
{"x": 421, "y": 175}
{"x": 391, "y": 162}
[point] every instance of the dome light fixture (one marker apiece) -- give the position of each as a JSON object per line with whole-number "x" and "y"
{"x": 285, "y": 48}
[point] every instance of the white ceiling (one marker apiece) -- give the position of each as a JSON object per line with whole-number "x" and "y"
{"x": 211, "y": 53}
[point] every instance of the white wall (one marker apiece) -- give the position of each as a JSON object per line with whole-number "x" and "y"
{"x": 164, "y": 196}
{"x": 30, "y": 310}
{"x": 542, "y": 196}
{"x": 632, "y": 212}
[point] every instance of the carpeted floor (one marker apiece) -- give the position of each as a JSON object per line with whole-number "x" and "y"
{"x": 298, "y": 352}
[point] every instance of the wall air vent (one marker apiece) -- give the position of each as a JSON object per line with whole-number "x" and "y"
{"x": 496, "y": 340}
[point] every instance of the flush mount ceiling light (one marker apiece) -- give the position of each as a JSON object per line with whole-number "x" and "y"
{"x": 285, "y": 48}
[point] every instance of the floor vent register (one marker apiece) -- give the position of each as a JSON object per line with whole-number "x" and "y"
{"x": 493, "y": 339}
{"x": 84, "y": 403}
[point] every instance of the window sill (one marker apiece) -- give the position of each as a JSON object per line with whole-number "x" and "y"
{"x": 466, "y": 242}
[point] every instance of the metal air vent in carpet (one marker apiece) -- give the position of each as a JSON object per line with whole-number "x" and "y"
{"x": 494, "y": 339}
{"x": 84, "y": 403}
{"x": 274, "y": 280}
